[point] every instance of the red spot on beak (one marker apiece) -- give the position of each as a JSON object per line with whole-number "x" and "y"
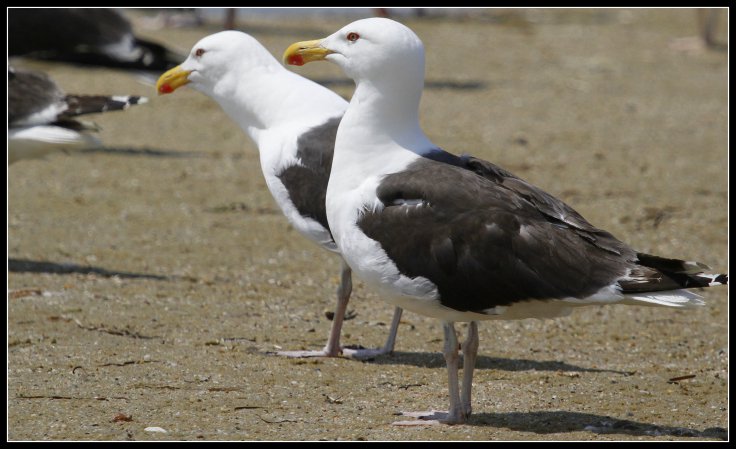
{"x": 295, "y": 60}
{"x": 165, "y": 88}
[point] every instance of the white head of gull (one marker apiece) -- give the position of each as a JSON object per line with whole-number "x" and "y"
{"x": 459, "y": 238}
{"x": 293, "y": 122}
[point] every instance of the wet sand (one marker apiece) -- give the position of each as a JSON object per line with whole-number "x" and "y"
{"x": 149, "y": 282}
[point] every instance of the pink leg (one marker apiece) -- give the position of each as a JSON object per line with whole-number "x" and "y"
{"x": 456, "y": 414}
{"x": 333, "y": 348}
{"x": 470, "y": 353}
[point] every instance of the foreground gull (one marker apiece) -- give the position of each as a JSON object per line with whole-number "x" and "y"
{"x": 293, "y": 122}
{"x": 42, "y": 118}
{"x": 459, "y": 238}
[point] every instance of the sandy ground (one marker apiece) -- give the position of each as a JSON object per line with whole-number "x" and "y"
{"x": 148, "y": 282}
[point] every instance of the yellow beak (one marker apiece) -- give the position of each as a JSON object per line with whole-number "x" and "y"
{"x": 301, "y": 53}
{"x": 172, "y": 80}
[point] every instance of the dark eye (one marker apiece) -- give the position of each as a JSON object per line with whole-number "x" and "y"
{"x": 199, "y": 52}
{"x": 352, "y": 37}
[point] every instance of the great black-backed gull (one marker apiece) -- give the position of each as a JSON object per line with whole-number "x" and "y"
{"x": 293, "y": 122}
{"x": 42, "y": 118}
{"x": 459, "y": 238}
{"x": 89, "y": 36}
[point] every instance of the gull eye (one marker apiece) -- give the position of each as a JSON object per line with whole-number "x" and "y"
{"x": 199, "y": 52}
{"x": 352, "y": 37}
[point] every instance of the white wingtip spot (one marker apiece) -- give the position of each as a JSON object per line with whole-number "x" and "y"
{"x": 673, "y": 298}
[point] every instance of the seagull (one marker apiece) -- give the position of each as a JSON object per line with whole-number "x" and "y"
{"x": 42, "y": 118}
{"x": 99, "y": 37}
{"x": 293, "y": 122}
{"x": 458, "y": 238}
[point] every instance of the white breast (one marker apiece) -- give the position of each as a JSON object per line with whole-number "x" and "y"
{"x": 345, "y": 203}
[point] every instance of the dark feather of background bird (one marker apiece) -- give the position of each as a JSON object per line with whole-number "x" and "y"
{"x": 88, "y": 36}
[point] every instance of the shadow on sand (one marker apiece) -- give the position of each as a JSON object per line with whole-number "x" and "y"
{"x": 428, "y": 84}
{"x": 437, "y": 360}
{"x": 146, "y": 152}
{"x": 561, "y": 421}
{"x": 36, "y": 266}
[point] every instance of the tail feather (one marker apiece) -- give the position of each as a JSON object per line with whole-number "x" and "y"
{"x": 718, "y": 279}
{"x": 656, "y": 274}
{"x": 671, "y": 298}
{"x": 89, "y": 104}
{"x": 672, "y": 265}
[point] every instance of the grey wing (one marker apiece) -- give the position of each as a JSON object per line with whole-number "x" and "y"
{"x": 484, "y": 242}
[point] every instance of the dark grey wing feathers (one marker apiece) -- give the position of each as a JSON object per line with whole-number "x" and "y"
{"x": 306, "y": 180}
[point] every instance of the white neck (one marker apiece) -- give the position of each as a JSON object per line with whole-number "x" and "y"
{"x": 379, "y": 134}
{"x": 267, "y": 97}
{"x": 387, "y": 110}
